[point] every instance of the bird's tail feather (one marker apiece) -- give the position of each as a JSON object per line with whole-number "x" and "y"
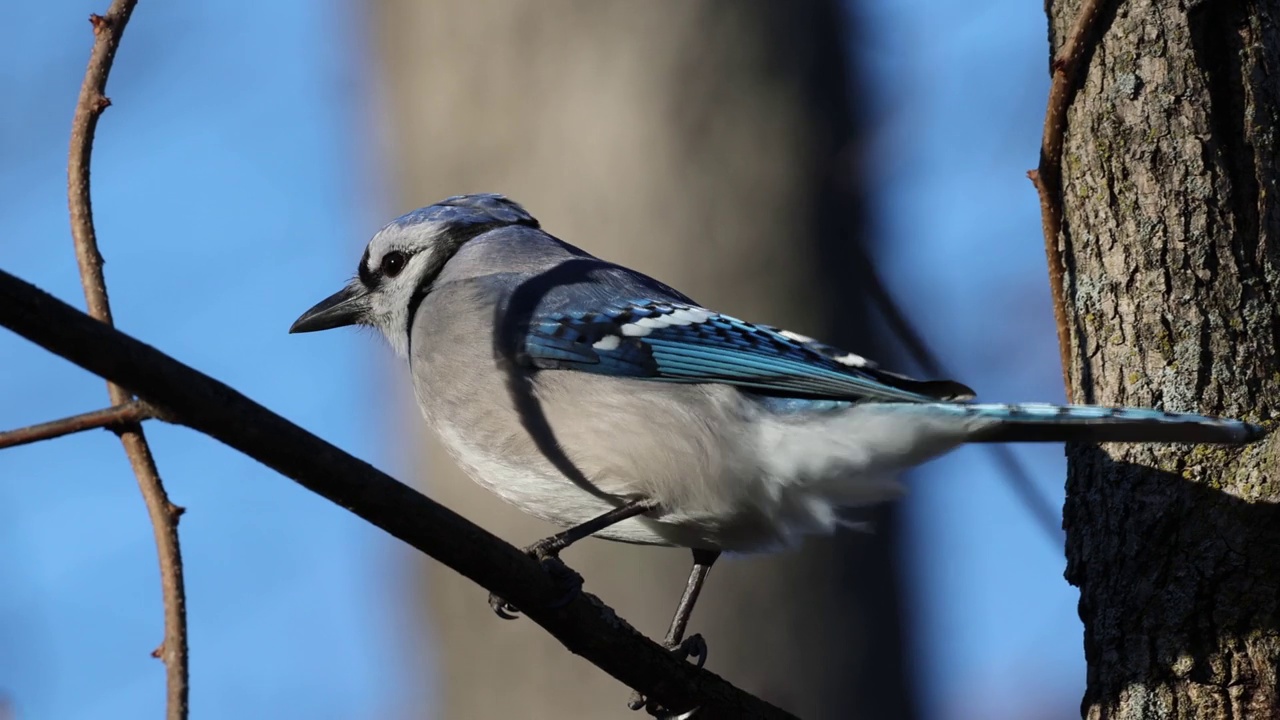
{"x": 1034, "y": 422}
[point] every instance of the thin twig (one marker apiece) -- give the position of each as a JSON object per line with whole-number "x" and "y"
{"x": 1015, "y": 473}
{"x": 1048, "y": 177}
{"x": 107, "y": 31}
{"x": 116, "y": 417}
{"x": 584, "y": 625}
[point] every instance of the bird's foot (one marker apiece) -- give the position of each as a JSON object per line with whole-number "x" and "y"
{"x": 562, "y": 574}
{"x": 502, "y": 608}
{"x": 693, "y": 648}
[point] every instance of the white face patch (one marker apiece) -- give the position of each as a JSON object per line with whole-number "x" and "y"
{"x": 608, "y": 342}
{"x": 389, "y": 300}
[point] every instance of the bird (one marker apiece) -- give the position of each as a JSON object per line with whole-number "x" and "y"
{"x": 608, "y": 403}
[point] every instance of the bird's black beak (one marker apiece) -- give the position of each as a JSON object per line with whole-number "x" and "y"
{"x": 345, "y": 307}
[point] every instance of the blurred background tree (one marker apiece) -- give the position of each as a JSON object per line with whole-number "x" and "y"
{"x": 709, "y": 144}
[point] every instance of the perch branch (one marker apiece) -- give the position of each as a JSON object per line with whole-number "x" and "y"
{"x": 584, "y": 625}
{"x": 116, "y": 417}
{"x": 1048, "y": 176}
{"x": 107, "y": 31}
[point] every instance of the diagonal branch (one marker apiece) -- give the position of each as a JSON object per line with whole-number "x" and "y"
{"x": 107, "y": 31}
{"x": 1048, "y": 176}
{"x": 584, "y": 625}
{"x": 116, "y": 417}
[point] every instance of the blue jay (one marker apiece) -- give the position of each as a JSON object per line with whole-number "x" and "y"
{"x": 603, "y": 401}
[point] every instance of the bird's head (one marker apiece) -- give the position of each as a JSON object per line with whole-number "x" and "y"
{"x": 402, "y": 261}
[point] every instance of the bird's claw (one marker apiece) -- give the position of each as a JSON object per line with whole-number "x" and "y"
{"x": 502, "y": 608}
{"x": 694, "y": 647}
{"x": 562, "y": 574}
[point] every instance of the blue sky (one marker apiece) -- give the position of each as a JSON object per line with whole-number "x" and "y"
{"x": 230, "y": 184}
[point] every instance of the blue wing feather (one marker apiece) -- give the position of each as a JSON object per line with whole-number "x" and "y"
{"x": 676, "y": 342}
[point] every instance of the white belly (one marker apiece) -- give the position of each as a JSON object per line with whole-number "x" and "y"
{"x": 543, "y": 492}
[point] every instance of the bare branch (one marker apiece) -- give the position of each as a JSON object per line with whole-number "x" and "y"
{"x": 584, "y": 625}
{"x": 1048, "y": 177}
{"x": 107, "y": 31}
{"x": 116, "y": 417}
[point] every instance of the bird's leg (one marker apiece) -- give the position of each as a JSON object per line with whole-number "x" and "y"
{"x": 675, "y": 641}
{"x": 547, "y": 551}
{"x": 551, "y": 546}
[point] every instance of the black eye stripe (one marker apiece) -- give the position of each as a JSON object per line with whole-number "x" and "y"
{"x": 362, "y": 270}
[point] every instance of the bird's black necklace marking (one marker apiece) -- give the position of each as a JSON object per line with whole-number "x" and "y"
{"x": 449, "y": 243}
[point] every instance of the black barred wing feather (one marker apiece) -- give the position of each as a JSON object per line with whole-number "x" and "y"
{"x": 673, "y": 342}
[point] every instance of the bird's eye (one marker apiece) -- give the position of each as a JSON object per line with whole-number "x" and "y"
{"x": 393, "y": 262}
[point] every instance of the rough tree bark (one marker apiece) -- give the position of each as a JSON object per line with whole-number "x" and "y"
{"x": 701, "y": 142}
{"x": 1169, "y": 244}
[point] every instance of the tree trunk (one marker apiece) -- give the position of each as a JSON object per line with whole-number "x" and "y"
{"x": 1171, "y": 286}
{"x": 703, "y": 143}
